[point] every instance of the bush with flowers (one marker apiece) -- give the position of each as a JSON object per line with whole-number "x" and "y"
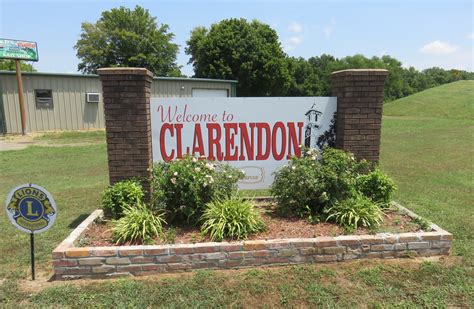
{"x": 183, "y": 187}
{"x": 315, "y": 181}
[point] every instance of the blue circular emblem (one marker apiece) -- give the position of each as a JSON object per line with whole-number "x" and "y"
{"x": 31, "y": 208}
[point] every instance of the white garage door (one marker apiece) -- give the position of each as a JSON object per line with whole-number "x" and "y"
{"x": 206, "y": 93}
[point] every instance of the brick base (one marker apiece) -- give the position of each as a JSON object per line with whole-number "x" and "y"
{"x": 70, "y": 262}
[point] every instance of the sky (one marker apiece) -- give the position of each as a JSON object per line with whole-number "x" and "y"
{"x": 418, "y": 33}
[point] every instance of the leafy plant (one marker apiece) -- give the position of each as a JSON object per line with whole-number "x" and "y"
{"x": 120, "y": 195}
{"x": 139, "y": 224}
{"x": 377, "y": 186}
{"x": 233, "y": 218}
{"x": 184, "y": 186}
{"x": 354, "y": 212}
{"x": 315, "y": 181}
{"x": 424, "y": 224}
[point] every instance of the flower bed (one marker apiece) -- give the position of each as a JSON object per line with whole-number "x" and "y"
{"x": 71, "y": 261}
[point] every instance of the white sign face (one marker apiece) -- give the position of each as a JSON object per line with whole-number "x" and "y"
{"x": 31, "y": 209}
{"x": 256, "y": 135}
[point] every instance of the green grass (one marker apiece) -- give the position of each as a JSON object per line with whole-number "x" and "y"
{"x": 453, "y": 101}
{"x": 73, "y": 137}
{"x": 75, "y": 176}
{"x": 426, "y": 147}
{"x": 432, "y": 159}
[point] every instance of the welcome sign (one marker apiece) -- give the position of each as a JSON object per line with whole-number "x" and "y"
{"x": 256, "y": 135}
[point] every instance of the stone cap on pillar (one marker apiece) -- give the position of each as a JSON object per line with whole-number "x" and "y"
{"x": 124, "y": 71}
{"x": 359, "y": 72}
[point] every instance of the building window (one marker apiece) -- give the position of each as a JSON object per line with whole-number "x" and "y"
{"x": 44, "y": 98}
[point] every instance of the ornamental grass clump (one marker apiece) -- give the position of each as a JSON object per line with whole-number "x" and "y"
{"x": 355, "y": 211}
{"x": 231, "y": 218}
{"x": 183, "y": 187}
{"x": 139, "y": 224}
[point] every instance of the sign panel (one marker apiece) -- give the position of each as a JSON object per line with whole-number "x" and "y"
{"x": 31, "y": 208}
{"x": 256, "y": 135}
{"x": 22, "y": 50}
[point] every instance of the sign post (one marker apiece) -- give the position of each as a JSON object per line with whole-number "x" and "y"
{"x": 19, "y": 50}
{"x": 31, "y": 209}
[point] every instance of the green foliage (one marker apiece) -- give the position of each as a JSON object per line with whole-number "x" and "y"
{"x": 354, "y": 212}
{"x": 377, "y": 186}
{"x": 9, "y": 65}
{"x": 311, "y": 77}
{"x": 246, "y": 51}
{"x": 183, "y": 187}
{"x": 139, "y": 224}
{"x": 424, "y": 224}
{"x": 231, "y": 218}
{"x": 316, "y": 180}
{"x": 127, "y": 38}
{"x": 120, "y": 195}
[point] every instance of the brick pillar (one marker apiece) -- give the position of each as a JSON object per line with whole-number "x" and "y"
{"x": 359, "y": 111}
{"x": 126, "y": 96}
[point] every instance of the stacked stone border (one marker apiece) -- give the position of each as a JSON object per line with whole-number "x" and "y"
{"x": 70, "y": 262}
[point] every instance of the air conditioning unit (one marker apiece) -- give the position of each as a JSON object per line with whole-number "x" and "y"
{"x": 92, "y": 97}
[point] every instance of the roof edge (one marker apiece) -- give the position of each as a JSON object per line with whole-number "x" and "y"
{"x": 184, "y": 79}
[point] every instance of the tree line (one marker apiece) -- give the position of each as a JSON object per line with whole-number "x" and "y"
{"x": 246, "y": 51}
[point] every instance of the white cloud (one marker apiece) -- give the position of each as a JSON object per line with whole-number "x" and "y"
{"x": 295, "y": 28}
{"x": 296, "y": 40}
{"x": 470, "y": 36}
{"x": 329, "y": 28}
{"x": 438, "y": 48}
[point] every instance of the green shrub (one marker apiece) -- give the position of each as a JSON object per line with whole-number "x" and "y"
{"x": 120, "y": 195}
{"x": 139, "y": 224}
{"x": 315, "y": 181}
{"x": 183, "y": 187}
{"x": 377, "y": 186}
{"x": 234, "y": 218}
{"x": 354, "y": 212}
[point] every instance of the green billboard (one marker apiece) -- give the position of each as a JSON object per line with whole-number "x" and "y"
{"x": 15, "y": 49}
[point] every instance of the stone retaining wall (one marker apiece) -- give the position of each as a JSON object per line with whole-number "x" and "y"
{"x": 71, "y": 262}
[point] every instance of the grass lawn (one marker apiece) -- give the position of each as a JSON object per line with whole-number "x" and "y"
{"x": 430, "y": 155}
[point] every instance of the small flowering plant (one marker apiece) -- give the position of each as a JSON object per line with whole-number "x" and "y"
{"x": 183, "y": 187}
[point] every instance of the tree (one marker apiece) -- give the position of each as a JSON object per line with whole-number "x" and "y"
{"x": 124, "y": 37}
{"x": 246, "y": 51}
{"x": 9, "y": 65}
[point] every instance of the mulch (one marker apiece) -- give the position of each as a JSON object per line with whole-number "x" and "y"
{"x": 99, "y": 234}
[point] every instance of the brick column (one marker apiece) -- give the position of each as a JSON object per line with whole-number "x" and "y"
{"x": 126, "y": 96}
{"x": 359, "y": 111}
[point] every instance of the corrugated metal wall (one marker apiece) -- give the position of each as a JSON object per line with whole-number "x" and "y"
{"x": 70, "y": 110}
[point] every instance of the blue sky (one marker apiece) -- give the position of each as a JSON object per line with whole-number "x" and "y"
{"x": 418, "y": 33}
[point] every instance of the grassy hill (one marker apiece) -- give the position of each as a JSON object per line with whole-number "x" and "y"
{"x": 454, "y": 101}
{"x": 428, "y": 148}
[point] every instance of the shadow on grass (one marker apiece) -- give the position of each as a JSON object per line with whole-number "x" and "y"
{"x": 77, "y": 221}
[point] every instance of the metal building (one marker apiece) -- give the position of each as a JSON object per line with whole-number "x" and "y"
{"x": 74, "y": 101}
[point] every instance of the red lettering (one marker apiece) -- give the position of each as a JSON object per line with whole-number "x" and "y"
{"x": 164, "y": 155}
{"x": 230, "y": 143}
{"x": 246, "y": 142}
{"x": 167, "y": 117}
{"x": 294, "y": 140}
{"x": 179, "y": 147}
{"x": 261, "y": 126}
{"x": 214, "y": 141}
{"x": 278, "y": 155}
{"x": 198, "y": 145}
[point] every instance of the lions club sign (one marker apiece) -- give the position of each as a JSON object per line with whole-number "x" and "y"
{"x": 31, "y": 208}
{"x": 256, "y": 135}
